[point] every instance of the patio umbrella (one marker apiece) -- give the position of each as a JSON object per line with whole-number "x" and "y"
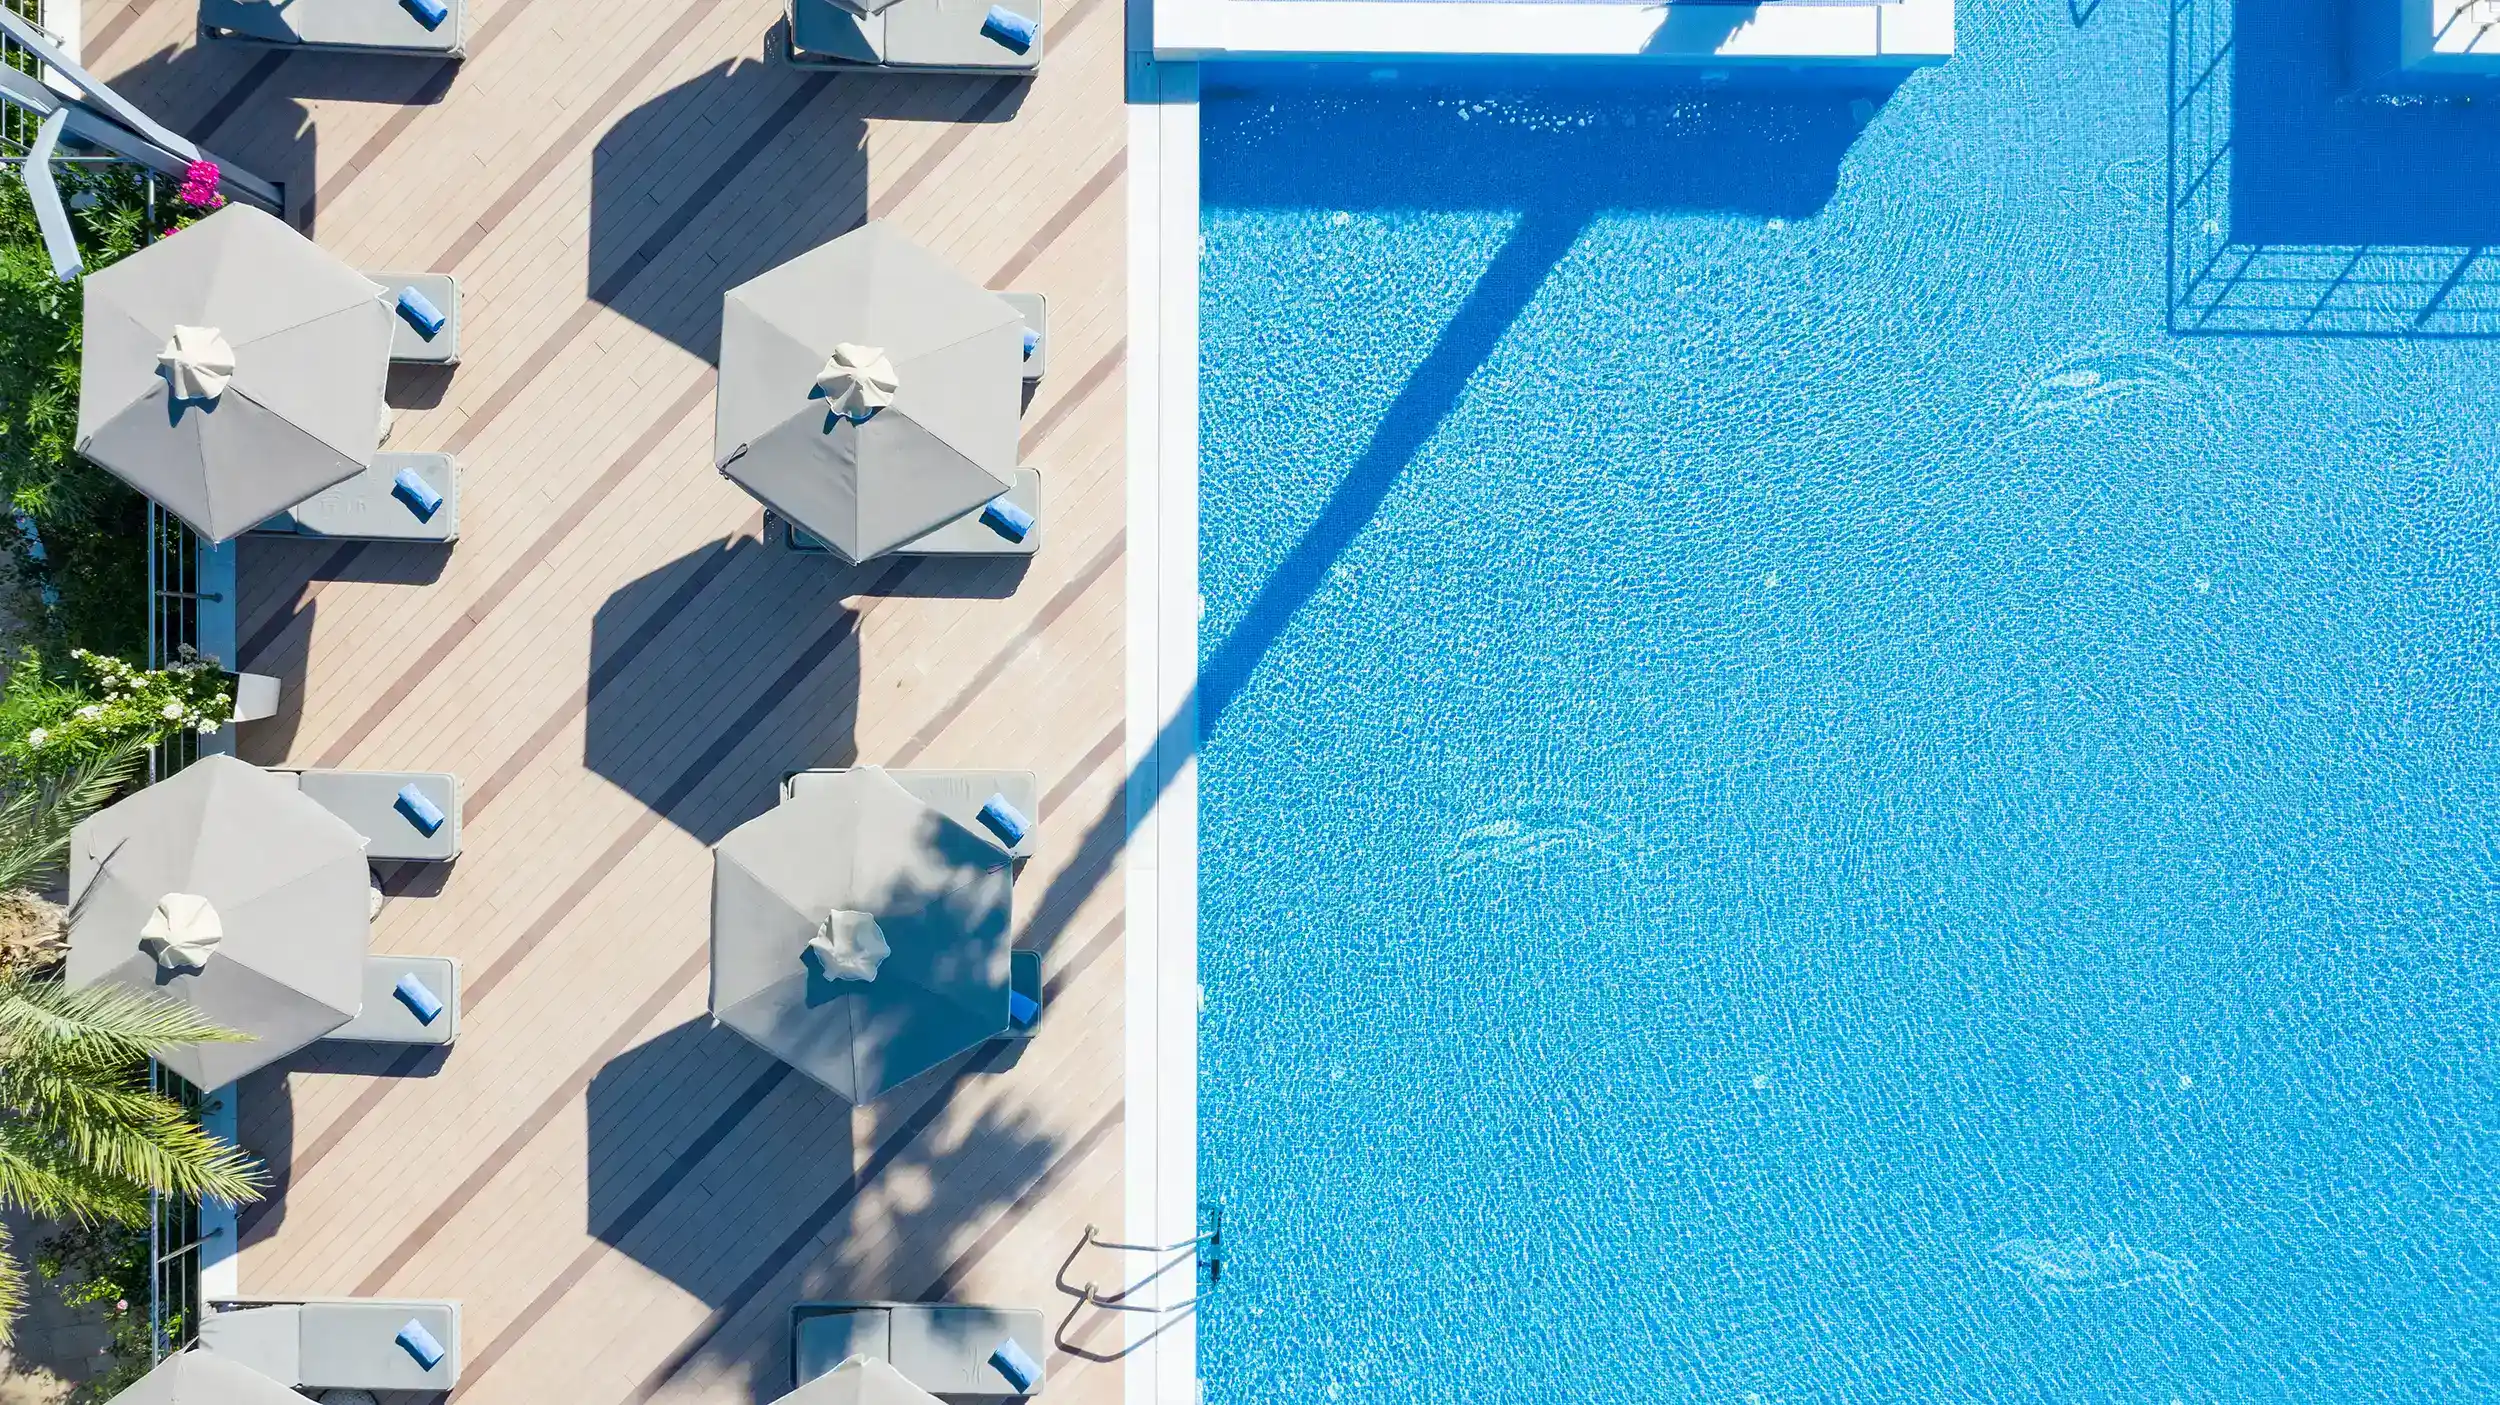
{"x": 859, "y": 935}
{"x": 232, "y": 370}
{"x": 225, "y": 888}
{"x": 202, "y": 1378}
{"x": 868, "y": 392}
{"x": 860, "y": 1380}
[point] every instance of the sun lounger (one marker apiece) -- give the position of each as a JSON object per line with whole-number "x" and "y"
{"x": 431, "y": 28}
{"x": 425, "y": 316}
{"x": 408, "y": 816}
{"x": 947, "y": 1349}
{"x": 341, "y": 1343}
{"x": 388, "y": 502}
{"x": 408, "y": 1000}
{"x": 973, "y": 534}
{"x": 921, "y": 36}
{"x": 958, "y": 795}
{"x": 1036, "y": 310}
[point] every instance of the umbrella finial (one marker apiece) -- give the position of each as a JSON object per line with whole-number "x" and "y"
{"x": 197, "y": 362}
{"x": 182, "y": 933}
{"x": 857, "y": 381}
{"x": 850, "y": 948}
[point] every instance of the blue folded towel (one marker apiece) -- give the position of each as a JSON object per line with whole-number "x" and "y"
{"x": 1010, "y": 28}
{"x": 417, "y": 810}
{"x": 421, "y": 314}
{"x": 1007, "y": 519}
{"x": 412, "y": 489}
{"x": 1032, "y": 343}
{"x": 1022, "y": 1009}
{"x": 420, "y": 1344}
{"x": 1004, "y": 820}
{"x": 1017, "y": 1365}
{"x": 430, "y": 13}
{"x": 420, "y": 1001}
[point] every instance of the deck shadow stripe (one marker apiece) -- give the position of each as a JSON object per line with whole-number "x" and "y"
{"x": 473, "y": 992}
{"x": 566, "y": 523}
{"x": 1066, "y": 215}
{"x": 1061, "y": 601}
{"x": 604, "y": 1239}
{"x": 943, "y": 1286}
{"x": 275, "y": 627}
{"x": 477, "y": 1180}
{"x": 1083, "y": 388}
{"x": 253, "y": 79}
{"x": 1086, "y": 766}
{"x": 111, "y": 30}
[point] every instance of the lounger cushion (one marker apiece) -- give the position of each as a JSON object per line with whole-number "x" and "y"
{"x": 1016, "y": 1364}
{"x": 1035, "y": 310}
{"x": 949, "y": 35}
{"x": 420, "y": 1344}
{"x": 415, "y": 807}
{"x": 384, "y": 25}
{"x": 821, "y": 29}
{"x": 972, "y": 534}
{"x": 361, "y": 1344}
{"x": 823, "y": 1338}
{"x": 1003, "y": 819}
{"x": 951, "y": 1350}
{"x": 371, "y": 801}
{"x": 379, "y": 505}
{"x": 418, "y": 997}
{"x": 1008, "y": 520}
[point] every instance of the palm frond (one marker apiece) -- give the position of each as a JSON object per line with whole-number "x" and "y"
{"x": 36, "y": 821}
{"x": 12, "y": 1288}
{"x": 97, "y": 1024}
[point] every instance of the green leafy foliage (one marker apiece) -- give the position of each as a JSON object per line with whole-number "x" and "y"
{"x": 52, "y": 722}
{"x": 91, "y": 563}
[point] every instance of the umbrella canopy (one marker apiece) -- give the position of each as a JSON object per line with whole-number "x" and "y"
{"x": 859, "y": 935}
{"x": 232, "y": 371}
{"x": 868, "y": 392}
{"x": 860, "y": 1380}
{"x": 201, "y": 1378}
{"x": 225, "y": 888}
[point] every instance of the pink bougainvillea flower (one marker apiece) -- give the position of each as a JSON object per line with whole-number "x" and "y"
{"x": 199, "y": 186}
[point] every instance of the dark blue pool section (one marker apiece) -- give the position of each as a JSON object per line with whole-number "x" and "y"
{"x": 1804, "y": 801}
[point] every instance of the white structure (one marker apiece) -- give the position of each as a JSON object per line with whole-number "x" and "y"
{"x": 1874, "y": 33}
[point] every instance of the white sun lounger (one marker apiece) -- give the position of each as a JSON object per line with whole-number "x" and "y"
{"x": 373, "y": 507}
{"x": 947, "y": 1349}
{"x": 968, "y": 535}
{"x": 372, "y": 801}
{"x": 341, "y": 1343}
{"x": 958, "y": 795}
{"x": 357, "y": 26}
{"x": 917, "y": 36}
{"x": 399, "y": 993}
{"x": 411, "y": 344}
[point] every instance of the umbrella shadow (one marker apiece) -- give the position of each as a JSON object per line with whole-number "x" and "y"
{"x": 222, "y": 96}
{"x": 676, "y": 221}
{"x": 720, "y": 1169}
{"x": 718, "y": 673}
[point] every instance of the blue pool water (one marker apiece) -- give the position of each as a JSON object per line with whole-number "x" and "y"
{"x": 1823, "y": 780}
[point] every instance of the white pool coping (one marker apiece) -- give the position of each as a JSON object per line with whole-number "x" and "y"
{"x": 1160, "y": 877}
{"x": 1894, "y": 33}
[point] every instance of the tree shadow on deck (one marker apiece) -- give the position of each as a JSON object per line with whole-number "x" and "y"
{"x": 727, "y": 1172}
{"x": 742, "y": 168}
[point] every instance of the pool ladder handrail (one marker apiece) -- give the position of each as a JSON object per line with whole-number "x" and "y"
{"x": 1206, "y": 1248}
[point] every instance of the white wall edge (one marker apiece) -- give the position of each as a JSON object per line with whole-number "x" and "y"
{"x": 1897, "y": 33}
{"x": 1160, "y": 877}
{"x": 220, "y": 1264}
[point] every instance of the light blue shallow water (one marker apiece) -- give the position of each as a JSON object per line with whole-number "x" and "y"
{"x": 1801, "y": 802}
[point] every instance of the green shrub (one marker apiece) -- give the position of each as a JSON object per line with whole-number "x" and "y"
{"x": 51, "y": 722}
{"x": 91, "y": 564}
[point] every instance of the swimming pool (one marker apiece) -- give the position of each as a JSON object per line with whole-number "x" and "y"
{"x": 1831, "y": 769}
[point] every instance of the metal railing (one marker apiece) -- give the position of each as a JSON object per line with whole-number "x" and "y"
{"x": 1201, "y": 1253}
{"x": 173, "y": 621}
{"x": 174, "y": 1241}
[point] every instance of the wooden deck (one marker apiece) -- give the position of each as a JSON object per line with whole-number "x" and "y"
{"x": 626, "y": 1200}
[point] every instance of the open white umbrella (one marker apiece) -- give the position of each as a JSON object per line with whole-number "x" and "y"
{"x": 223, "y": 887}
{"x": 860, "y": 1380}
{"x": 868, "y": 392}
{"x": 232, "y": 370}
{"x": 859, "y": 935}
{"x": 204, "y": 1378}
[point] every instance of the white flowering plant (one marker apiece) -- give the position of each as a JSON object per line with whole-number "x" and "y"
{"x": 50, "y": 722}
